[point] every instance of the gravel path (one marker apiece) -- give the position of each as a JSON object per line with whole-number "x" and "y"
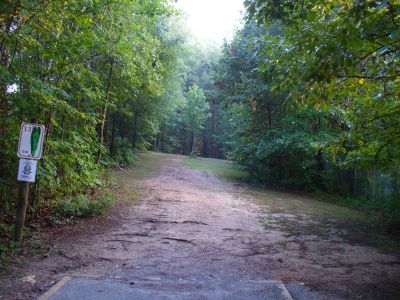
{"x": 191, "y": 227}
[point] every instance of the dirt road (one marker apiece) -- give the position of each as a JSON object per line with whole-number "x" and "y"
{"x": 187, "y": 225}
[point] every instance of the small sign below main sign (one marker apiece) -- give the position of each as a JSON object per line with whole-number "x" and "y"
{"x": 31, "y": 139}
{"x": 27, "y": 170}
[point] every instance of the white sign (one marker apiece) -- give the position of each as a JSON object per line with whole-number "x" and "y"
{"x": 27, "y": 170}
{"x": 31, "y": 141}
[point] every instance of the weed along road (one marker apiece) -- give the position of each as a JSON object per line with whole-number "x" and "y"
{"x": 179, "y": 231}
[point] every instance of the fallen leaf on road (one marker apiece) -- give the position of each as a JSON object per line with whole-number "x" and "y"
{"x": 30, "y": 279}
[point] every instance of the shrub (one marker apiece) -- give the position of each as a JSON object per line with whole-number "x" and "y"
{"x": 80, "y": 206}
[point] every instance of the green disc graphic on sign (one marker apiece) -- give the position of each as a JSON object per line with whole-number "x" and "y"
{"x": 35, "y": 140}
{"x": 31, "y": 138}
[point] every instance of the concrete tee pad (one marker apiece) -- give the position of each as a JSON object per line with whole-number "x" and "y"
{"x": 99, "y": 289}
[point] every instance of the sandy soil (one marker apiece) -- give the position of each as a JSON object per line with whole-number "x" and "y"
{"x": 189, "y": 224}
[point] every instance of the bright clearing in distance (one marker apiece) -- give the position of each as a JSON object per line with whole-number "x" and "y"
{"x": 212, "y": 20}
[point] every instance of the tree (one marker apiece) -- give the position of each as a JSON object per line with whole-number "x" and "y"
{"x": 195, "y": 114}
{"x": 93, "y": 72}
{"x": 345, "y": 55}
{"x": 340, "y": 60}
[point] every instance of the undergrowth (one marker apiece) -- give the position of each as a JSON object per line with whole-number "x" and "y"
{"x": 386, "y": 212}
{"x": 80, "y": 206}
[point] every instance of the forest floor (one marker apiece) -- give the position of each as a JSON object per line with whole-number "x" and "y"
{"x": 183, "y": 219}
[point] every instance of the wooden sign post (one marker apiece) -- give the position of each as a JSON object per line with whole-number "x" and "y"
{"x": 29, "y": 151}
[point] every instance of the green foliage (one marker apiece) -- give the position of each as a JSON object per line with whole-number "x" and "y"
{"x": 124, "y": 153}
{"x": 303, "y": 110}
{"x": 195, "y": 114}
{"x": 6, "y": 247}
{"x": 100, "y": 75}
{"x": 339, "y": 54}
{"x": 196, "y": 110}
{"x": 80, "y": 206}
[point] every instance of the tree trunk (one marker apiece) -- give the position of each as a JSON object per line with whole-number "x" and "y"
{"x": 105, "y": 110}
{"x": 355, "y": 190}
{"x": 157, "y": 142}
{"x": 193, "y": 144}
{"x": 134, "y": 137}
{"x": 62, "y": 126}
{"x": 112, "y": 140}
{"x": 269, "y": 115}
{"x": 213, "y": 133}
{"x": 204, "y": 148}
{"x": 320, "y": 168}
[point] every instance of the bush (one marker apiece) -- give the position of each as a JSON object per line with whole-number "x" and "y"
{"x": 124, "y": 154}
{"x": 80, "y": 206}
{"x": 6, "y": 247}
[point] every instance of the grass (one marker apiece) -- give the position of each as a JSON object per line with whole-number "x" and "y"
{"x": 148, "y": 164}
{"x": 223, "y": 169}
{"x": 348, "y": 223}
{"x": 297, "y": 204}
{"x": 327, "y": 218}
{"x": 275, "y": 201}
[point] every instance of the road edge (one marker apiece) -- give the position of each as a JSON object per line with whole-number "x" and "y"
{"x": 55, "y": 288}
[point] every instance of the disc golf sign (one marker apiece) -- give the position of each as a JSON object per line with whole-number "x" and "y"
{"x": 29, "y": 150}
{"x": 31, "y": 141}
